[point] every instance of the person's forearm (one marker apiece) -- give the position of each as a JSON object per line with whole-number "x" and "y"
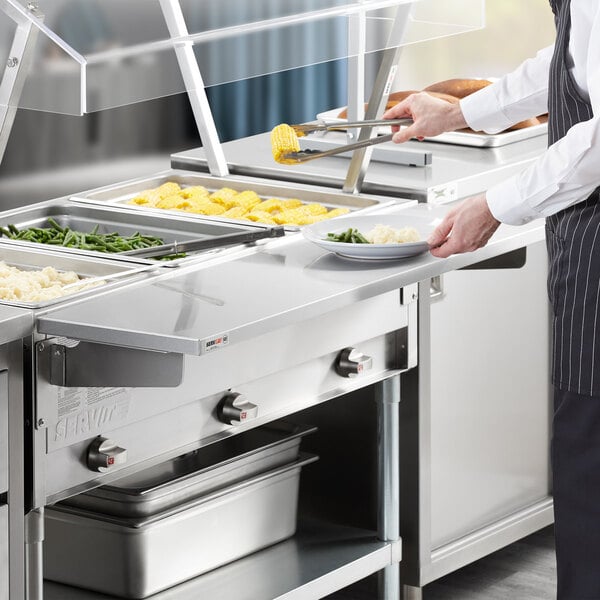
{"x": 431, "y": 116}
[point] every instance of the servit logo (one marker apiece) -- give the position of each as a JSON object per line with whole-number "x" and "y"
{"x": 214, "y": 343}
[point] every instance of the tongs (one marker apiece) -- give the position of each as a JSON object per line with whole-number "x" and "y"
{"x": 306, "y": 128}
{"x": 308, "y": 154}
{"x": 208, "y": 243}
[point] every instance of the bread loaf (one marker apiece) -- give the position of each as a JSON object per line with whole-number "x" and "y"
{"x": 459, "y": 88}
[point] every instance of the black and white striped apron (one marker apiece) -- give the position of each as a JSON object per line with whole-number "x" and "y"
{"x": 573, "y": 240}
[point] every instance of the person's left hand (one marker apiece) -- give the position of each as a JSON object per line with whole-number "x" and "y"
{"x": 465, "y": 228}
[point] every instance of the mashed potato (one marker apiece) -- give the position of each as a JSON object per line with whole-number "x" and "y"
{"x": 34, "y": 286}
{"x": 384, "y": 234}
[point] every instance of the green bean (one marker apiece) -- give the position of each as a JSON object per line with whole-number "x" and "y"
{"x": 54, "y": 224}
{"x": 69, "y": 238}
{"x": 351, "y": 235}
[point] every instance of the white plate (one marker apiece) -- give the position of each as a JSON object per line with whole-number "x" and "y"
{"x": 317, "y": 233}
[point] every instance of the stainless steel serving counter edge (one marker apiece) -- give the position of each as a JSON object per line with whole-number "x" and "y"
{"x": 194, "y": 310}
{"x": 14, "y": 323}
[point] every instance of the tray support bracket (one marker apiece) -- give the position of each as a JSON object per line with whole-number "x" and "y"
{"x": 72, "y": 363}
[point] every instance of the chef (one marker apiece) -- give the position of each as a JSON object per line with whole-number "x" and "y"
{"x": 562, "y": 186}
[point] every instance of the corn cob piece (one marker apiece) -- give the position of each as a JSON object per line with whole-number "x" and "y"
{"x": 310, "y": 219}
{"x": 291, "y": 203}
{"x": 167, "y": 189}
{"x": 248, "y": 199}
{"x": 224, "y": 196}
{"x": 268, "y": 206}
{"x": 314, "y": 208}
{"x": 194, "y": 191}
{"x": 337, "y": 212}
{"x": 170, "y": 202}
{"x": 235, "y": 212}
{"x": 260, "y": 217}
{"x": 283, "y": 141}
{"x": 206, "y": 208}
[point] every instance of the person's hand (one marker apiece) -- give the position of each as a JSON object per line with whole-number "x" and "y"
{"x": 465, "y": 228}
{"x": 431, "y": 117}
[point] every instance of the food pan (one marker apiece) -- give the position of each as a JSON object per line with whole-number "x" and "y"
{"x": 171, "y": 228}
{"x": 136, "y": 558}
{"x": 196, "y": 473}
{"x": 120, "y": 194}
{"x": 37, "y": 258}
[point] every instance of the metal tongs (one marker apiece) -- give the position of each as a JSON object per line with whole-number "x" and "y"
{"x": 208, "y": 243}
{"x": 307, "y": 154}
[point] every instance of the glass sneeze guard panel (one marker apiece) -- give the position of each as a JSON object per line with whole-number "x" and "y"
{"x": 93, "y": 55}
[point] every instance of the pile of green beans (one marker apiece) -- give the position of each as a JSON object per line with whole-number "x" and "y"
{"x": 67, "y": 237}
{"x": 350, "y": 236}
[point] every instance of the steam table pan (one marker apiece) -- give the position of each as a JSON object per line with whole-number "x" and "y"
{"x": 120, "y": 194}
{"x": 137, "y": 558}
{"x": 79, "y": 217}
{"x": 197, "y": 473}
{"x": 39, "y": 256}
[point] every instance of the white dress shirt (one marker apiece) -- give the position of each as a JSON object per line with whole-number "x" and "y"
{"x": 569, "y": 170}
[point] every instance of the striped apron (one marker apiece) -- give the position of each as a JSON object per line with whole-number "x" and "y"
{"x": 573, "y": 240}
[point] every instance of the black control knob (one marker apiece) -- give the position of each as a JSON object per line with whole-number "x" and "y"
{"x": 104, "y": 454}
{"x": 352, "y": 362}
{"x": 234, "y": 409}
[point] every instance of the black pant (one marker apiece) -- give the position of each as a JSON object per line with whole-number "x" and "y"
{"x": 576, "y": 490}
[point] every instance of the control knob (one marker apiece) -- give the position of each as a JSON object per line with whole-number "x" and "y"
{"x": 351, "y": 362}
{"x": 234, "y": 409}
{"x": 104, "y": 454}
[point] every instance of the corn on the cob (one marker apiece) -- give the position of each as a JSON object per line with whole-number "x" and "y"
{"x": 206, "y": 208}
{"x": 268, "y": 206}
{"x": 235, "y": 212}
{"x": 283, "y": 141}
{"x": 169, "y": 188}
{"x": 248, "y": 199}
{"x": 170, "y": 202}
{"x": 194, "y": 191}
{"x": 260, "y": 217}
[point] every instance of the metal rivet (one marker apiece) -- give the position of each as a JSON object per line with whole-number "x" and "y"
{"x": 13, "y": 61}
{"x": 41, "y": 347}
{"x": 41, "y": 422}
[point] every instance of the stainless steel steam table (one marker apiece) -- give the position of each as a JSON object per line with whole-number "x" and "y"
{"x": 278, "y": 315}
{"x": 474, "y": 477}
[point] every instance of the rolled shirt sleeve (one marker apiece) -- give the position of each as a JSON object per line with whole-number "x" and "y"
{"x": 567, "y": 172}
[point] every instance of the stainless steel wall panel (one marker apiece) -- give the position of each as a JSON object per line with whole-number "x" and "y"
{"x": 490, "y": 396}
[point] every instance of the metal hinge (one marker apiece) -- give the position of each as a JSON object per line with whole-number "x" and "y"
{"x": 409, "y": 293}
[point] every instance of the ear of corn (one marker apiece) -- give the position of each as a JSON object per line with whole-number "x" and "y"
{"x": 284, "y": 140}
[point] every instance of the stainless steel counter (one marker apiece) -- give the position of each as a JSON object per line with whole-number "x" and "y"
{"x": 279, "y": 284}
{"x": 456, "y": 171}
{"x": 14, "y": 323}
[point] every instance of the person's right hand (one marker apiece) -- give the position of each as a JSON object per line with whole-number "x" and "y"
{"x": 431, "y": 117}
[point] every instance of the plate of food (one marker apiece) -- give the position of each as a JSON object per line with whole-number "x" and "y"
{"x": 373, "y": 237}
